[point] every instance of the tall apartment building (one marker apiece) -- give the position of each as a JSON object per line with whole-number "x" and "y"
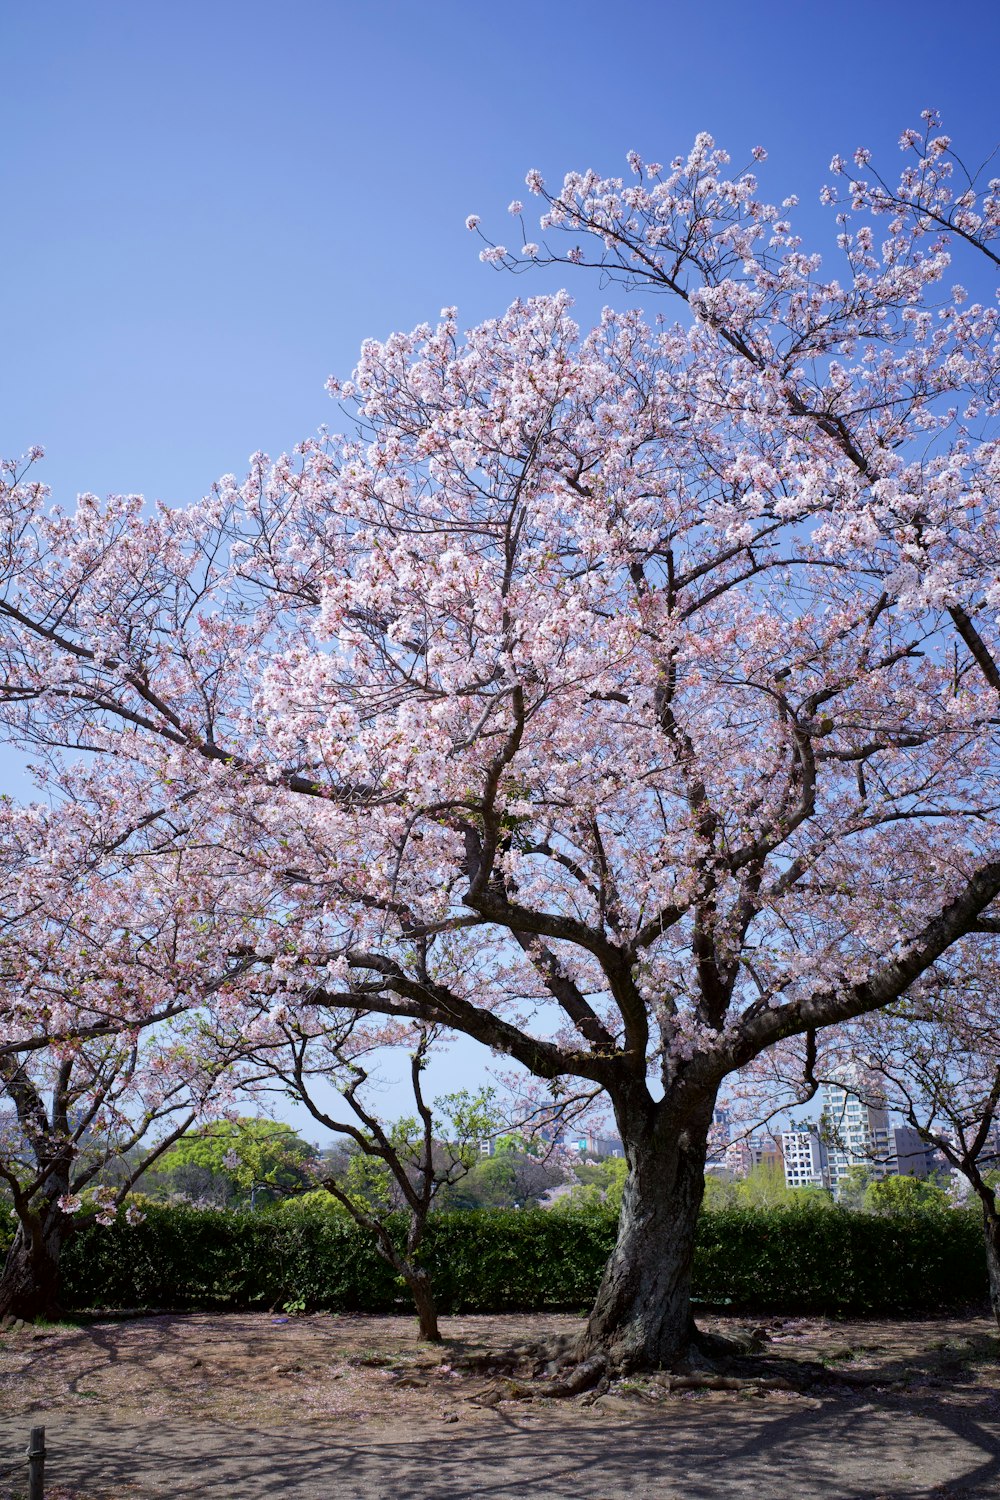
{"x": 856, "y": 1126}
{"x": 807, "y": 1161}
{"x": 910, "y": 1155}
{"x": 718, "y": 1143}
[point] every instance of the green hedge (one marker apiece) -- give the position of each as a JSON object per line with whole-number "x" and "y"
{"x": 823, "y": 1261}
{"x": 831, "y": 1260}
{"x": 484, "y": 1261}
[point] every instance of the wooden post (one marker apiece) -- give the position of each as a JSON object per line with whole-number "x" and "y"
{"x": 36, "y": 1464}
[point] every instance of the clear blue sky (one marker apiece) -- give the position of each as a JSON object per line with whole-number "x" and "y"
{"x": 208, "y": 204}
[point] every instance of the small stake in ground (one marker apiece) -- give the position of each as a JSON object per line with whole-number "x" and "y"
{"x": 36, "y": 1464}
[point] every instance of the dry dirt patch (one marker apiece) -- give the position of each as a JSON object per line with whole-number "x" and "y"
{"x": 256, "y": 1369}
{"x": 361, "y": 1386}
{"x": 261, "y": 1370}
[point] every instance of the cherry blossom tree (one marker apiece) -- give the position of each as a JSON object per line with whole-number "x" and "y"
{"x": 103, "y": 1062}
{"x": 623, "y": 700}
{"x": 931, "y": 1059}
{"x": 74, "y": 1112}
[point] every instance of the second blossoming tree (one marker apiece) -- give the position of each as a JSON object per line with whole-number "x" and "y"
{"x": 104, "y": 986}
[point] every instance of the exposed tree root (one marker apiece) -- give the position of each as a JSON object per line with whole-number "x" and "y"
{"x": 591, "y": 1380}
{"x": 600, "y": 1389}
{"x": 577, "y": 1379}
{"x": 735, "y": 1345}
{"x": 735, "y": 1363}
{"x": 700, "y": 1382}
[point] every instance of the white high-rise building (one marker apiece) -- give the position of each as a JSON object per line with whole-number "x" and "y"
{"x": 806, "y": 1157}
{"x": 856, "y": 1126}
{"x": 718, "y": 1141}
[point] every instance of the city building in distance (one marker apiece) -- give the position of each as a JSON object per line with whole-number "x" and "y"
{"x": 855, "y": 1125}
{"x": 807, "y": 1160}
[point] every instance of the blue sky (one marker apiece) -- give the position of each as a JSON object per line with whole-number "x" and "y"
{"x": 208, "y": 204}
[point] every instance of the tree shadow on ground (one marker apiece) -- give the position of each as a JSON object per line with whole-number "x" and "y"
{"x": 851, "y": 1449}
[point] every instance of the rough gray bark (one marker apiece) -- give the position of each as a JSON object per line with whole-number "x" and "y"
{"x": 31, "y": 1280}
{"x": 641, "y": 1318}
{"x": 991, "y": 1235}
{"x": 419, "y": 1283}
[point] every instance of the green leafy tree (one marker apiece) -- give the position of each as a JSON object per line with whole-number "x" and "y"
{"x": 231, "y": 1162}
{"x": 720, "y": 1193}
{"x": 600, "y": 1185}
{"x": 764, "y": 1187}
{"x": 514, "y": 1177}
{"x": 852, "y": 1189}
{"x": 811, "y": 1196}
{"x": 904, "y": 1195}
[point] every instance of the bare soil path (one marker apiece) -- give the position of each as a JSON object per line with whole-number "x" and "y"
{"x": 241, "y": 1407}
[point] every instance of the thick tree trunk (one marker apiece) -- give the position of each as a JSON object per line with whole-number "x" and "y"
{"x": 991, "y": 1234}
{"x": 30, "y": 1283}
{"x": 642, "y": 1316}
{"x": 419, "y": 1283}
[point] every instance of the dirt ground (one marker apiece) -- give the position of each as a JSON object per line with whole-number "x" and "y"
{"x": 239, "y": 1407}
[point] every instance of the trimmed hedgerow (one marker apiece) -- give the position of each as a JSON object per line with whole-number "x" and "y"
{"x": 496, "y": 1260}
{"x": 185, "y": 1258}
{"x": 500, "y": 1260}
{"x": 488, "y": 1260}
{"x": 834, "y": 1261}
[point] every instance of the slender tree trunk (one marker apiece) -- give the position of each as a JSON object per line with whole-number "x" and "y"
{"x": 30, "y": 1282}
{"x": 991, "y": 1234}
{"x": 419, "y": 1283}
{"x": 642, "y": 1316}
{"x": 402, "y": 1260}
